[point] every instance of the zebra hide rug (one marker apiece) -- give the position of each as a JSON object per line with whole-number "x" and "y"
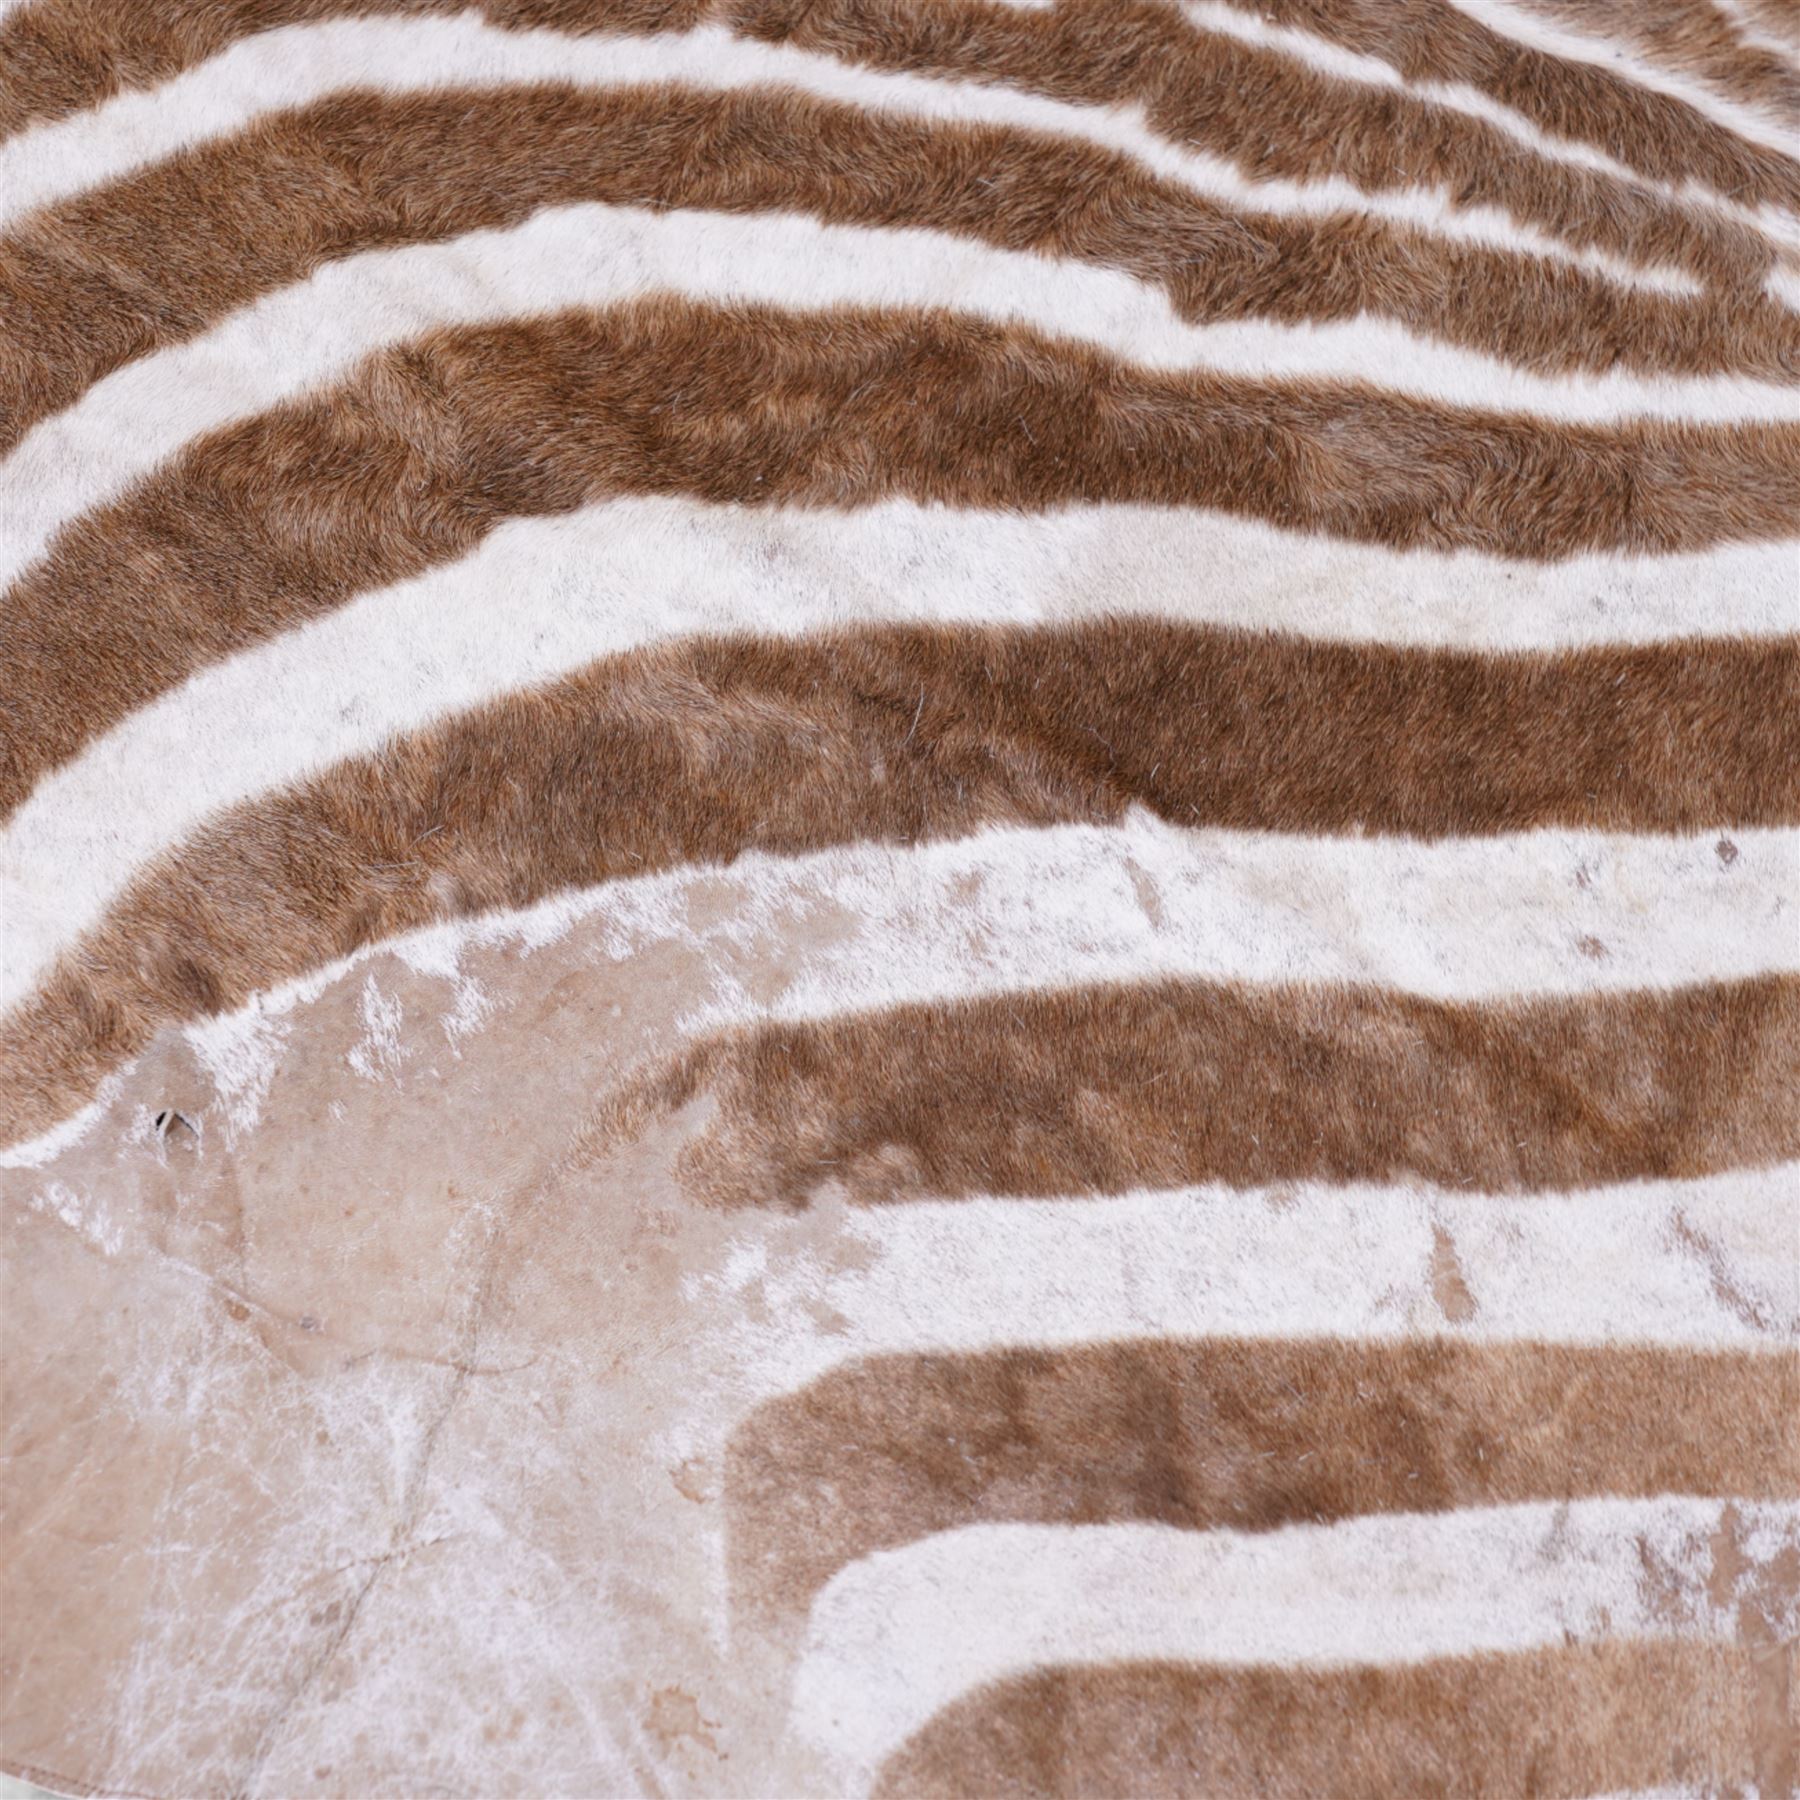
{"x": 899, "y": 897}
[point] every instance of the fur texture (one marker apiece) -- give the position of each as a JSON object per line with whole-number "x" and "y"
{"x": 1197, "y": 73}
{"x": 1728, "y": 52}
{"x": 1601, "y": 1718}
{"x": 1744, "y": 53}
{"x": 1587, "y": 214}
{"x": 267, "y": 208}
{"x": 1583, "y": 102}
{"x": 1216, "y": 1434}
{"x": 705, "y": 751}
{"x": 434, "y": 445}
{"x": 897, "y": 897}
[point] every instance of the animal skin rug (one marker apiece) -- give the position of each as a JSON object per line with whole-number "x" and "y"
{"x": 900, "y": 897}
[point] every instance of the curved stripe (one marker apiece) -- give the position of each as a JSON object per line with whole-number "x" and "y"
{"x": 1570, "y": 902}
{"x": 94, "y": 287}
{"x": 1182, "y": 1082}
{"x": 1560, "y": 1723}
{"x": 1718, "y": 44}
{"x": 899, "y": 1636}
{"x": 64, "y": 63}
{"x": 1541, "y": 26}
{"x": 1569, "y": 110}
{"x": 1199, "y": 88}
{"x": 627, "y": 574}
{"x": 715, "y": 747}
{"x": 1455, "y": 920}
{"x": 1245, "y": 1435}
{"x": 1771, "y": 25}
{"x": 594, "y": 255}
{"x": 1696, "y": 1262}
{"x": 1340, "y": 160}
{"x": 430, "y": 446}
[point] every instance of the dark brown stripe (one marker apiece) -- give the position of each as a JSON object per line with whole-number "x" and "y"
{"x": 1196, "y": 87}
{"x": 102, "y": 279}
{"x": 261, "y": 527}
{"x": 1586, "y": 1719}
{"x": 1239, "y": 1434}
{"x": 1652, "y": 132}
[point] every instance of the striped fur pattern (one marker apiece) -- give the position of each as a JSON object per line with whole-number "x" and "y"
{"x": 900, "y": 897}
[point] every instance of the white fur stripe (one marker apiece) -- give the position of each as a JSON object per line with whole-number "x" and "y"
{"x": 1689, "y": 1792}
{"x": 297, "y": 65}
{"x": 631, "y": 573}
{"x": 900, "y": 1634}
{"x": 1702, "y": 1264}
{"x": 1525, "y": 23}
{"x": 597, "y": 255}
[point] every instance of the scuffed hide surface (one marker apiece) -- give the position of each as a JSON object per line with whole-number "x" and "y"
{"x": 900, "y": 897}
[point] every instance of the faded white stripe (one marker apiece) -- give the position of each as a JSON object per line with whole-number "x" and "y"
{"x": 636, "y": 573}
{"x": 1689, "y": 1792}
{"x": 1756, "y": 28}
{"x": 631, "y": 573}
{"x": 297, "y": 65}
{"x": 597, "y": 255}
{"x": 898, "y": 1635}
{"x": 1703, "y": 1264}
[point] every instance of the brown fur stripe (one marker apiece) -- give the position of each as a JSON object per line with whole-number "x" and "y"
{"x": 431, "y": 445}
{"x": 1695, "y": 38}
{"x": 61, "y": 56}
{"x": 100, "y": 280}
{"x": 1653, "y": 132}
{"x": 1195, "y": 87}
{"x": 1202, "y": 88}
{"x": 1779, "y": 18}
{"x": 1557, "y": 1724}
{"x": 1238, "y": 1434}
{"x": 1182, "y": 1082}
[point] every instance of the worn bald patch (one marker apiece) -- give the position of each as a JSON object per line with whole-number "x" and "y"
{"x": 1073, "y": 1128}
